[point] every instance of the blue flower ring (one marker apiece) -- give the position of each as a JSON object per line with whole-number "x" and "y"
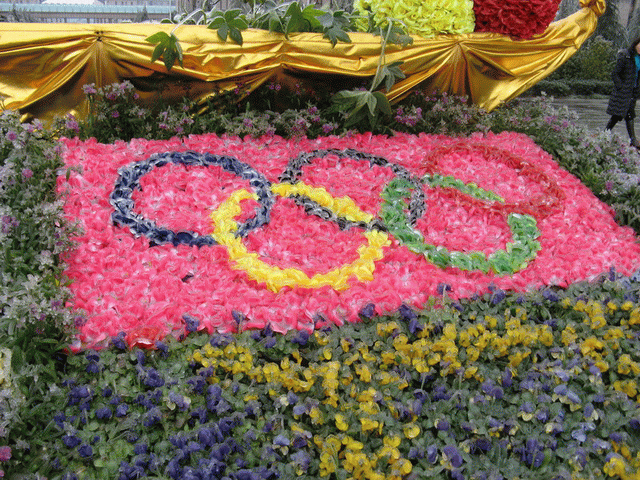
{"x": 129, "y": 180}
{"x": 514, "y": 257}
{"x": 293, "y": 171}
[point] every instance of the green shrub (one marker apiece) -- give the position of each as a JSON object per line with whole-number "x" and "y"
{"x": 590, "y": 87}
{"x": 593, "y": 61}
{"x": 571, "y": 86}
{"x": 554, "y": 88}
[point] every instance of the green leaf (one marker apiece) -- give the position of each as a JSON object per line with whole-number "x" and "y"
{"x": 168, "y": 48}
{"x": 388, "y": 74}
{"x": 311, "y": 15}
{"x": 240, "y": 23}
{"x": 393, "y": 74}
{"x": 398, "y": 37}
{"x": 383, "y": 103}
{"x": 334, "y": 26}
{"x": 294, "y": 21}
{"x": 362, "y": 99}
{"x": 223, "y": 31}
{"x": 236, "y": 36}
{"x": 326, "y": 20}
{"x": 169, "y": 56}
{"x": 229, "y": 25}
{"x": 216, "y": 23}
{"x": 157, "y": 52}
{"x": 275, "y": 23}
{"x": 159, "y": 37}
{"x": 230, "y": 15}
{"x": 335, "y": 34}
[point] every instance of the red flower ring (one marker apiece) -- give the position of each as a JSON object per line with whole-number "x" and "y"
{"x": 540, "y": 205}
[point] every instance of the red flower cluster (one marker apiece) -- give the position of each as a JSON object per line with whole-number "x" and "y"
{"x": 521, "y": 19}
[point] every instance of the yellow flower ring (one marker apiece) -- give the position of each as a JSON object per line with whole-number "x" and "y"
{"x": 277, "y": 278}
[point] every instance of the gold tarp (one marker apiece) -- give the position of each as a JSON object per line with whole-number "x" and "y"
{"x": 44, "y": 66}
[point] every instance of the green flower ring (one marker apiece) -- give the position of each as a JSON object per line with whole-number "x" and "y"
{"x": 515, "y": 257}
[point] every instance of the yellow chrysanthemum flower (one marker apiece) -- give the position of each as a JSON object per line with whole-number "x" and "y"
{"x": 425, "y": 19}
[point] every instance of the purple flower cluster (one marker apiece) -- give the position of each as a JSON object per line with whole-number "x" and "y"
{"x": 213, "y": 446}
{"x": 409, "y": 119}
{"x": 8, "y": 224}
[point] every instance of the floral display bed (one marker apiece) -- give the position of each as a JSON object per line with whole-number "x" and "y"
{"x": 223, "y": 233}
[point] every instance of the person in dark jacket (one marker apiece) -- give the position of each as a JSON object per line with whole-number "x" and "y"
{"x": 622, "y": 103}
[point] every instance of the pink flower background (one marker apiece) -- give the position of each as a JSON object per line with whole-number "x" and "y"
{"x": 121, "y": 284}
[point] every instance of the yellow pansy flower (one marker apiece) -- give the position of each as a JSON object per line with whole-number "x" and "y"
{"x": 363, "y": 372}
{"x": 449, "y": 331}
{"x": 392, "y": 441}
{"x": 598, "y": 321}
{"x": 327, "y": 464}
{"x": 341, "y": 424}
{"x": 472, "y": 354}
{"x": 316, "y": 416}
{"x": 368, "y": 424}
{"x": 370, "y": 407}
{"x": 626, "y": 365}
{"x": 626, "y": 306}
{"x": 615, "y": 467}
{"x": 516, "y": 358}
{"x": 351, "y": 444}
{"x": 591, "y": 344}
{"x": 403, "y": 467}
{"x": 411, "y": 430}
{"x": 629, "y": 387}
{"x": 388, "y": 358}
{"x": 197, "y": 356}
{"x": 470, "y": 372}
{"x": 568, "y": 336}
{"x": 602, "y": 365}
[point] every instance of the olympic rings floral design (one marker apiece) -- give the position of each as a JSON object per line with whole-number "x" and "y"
{"x": 150, "y": 252}
{"x": 344, "y": 212}
{"x": 319, "y": 202}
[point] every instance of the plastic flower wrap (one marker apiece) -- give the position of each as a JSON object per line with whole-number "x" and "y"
{"x": 517, "y": 18}
{"x": 426, "y": 19}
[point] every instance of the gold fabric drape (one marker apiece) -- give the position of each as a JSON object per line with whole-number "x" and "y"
{"x": 44, "y": 66}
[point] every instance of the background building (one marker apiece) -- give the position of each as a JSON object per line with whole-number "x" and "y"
{"x": 86, "y": 11}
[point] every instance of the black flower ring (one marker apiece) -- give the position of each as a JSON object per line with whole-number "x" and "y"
{"x": 293, "y": 171}
{"x": 129, "y": 180}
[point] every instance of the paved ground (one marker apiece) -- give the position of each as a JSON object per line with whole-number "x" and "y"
{"x": 591, "y": 112}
